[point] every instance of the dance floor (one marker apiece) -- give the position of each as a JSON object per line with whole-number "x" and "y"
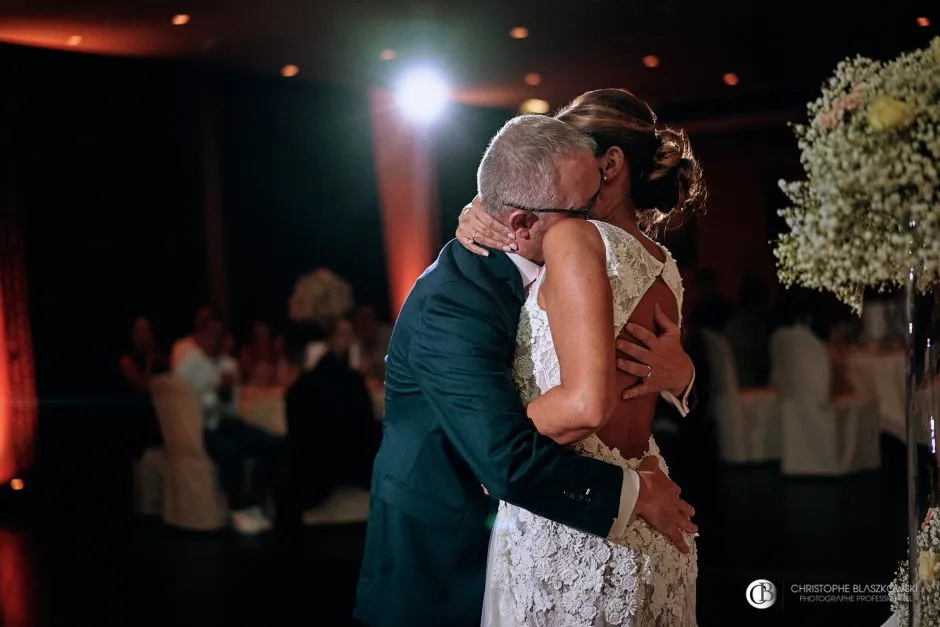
{"x": 73, "y": 569}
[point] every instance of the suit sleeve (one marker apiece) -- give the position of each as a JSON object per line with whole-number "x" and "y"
{"x": 459, "y": 356}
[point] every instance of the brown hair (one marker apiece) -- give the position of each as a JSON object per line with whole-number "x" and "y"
{"x": 665, "y": 178}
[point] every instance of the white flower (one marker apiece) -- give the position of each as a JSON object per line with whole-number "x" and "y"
{"x": 848, "y": 219}
{"x": 320, "y": 296}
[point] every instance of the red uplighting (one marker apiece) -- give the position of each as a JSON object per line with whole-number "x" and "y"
{"x": 730, "y": 79}
{"x": 74, "y": 40}
{"x": 923, "y": 21}
{"x": 180, "y": 20}
{"x": 651, "y": 61}
{"x": 16, "y": 484}
{"x": 289, "y": 70}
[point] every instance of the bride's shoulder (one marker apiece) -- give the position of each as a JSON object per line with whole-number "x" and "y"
{"x": 573, "y": 235}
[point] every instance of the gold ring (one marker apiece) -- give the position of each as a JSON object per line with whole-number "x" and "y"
{"x": 650, "y": 373}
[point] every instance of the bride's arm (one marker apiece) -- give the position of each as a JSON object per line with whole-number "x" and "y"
{"x": 577, "y": 297}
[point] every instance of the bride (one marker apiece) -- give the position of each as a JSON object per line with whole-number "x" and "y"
{"x": 598, "y": 275}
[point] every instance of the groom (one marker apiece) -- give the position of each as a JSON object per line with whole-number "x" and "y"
{"x": 453, "y": 419}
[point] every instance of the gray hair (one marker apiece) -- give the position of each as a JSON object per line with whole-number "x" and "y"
{"x": 521, "y": 163}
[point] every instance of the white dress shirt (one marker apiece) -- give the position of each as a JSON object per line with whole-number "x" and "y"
{"x": 630, "y": 489}
{"x": 191, "y": 365}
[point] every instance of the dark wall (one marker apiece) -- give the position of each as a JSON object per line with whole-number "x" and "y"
{"x": 109, "y": 185}
{"x": 298, "y": 191}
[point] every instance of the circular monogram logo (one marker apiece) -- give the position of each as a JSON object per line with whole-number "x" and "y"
{"x": 761, "y": 594}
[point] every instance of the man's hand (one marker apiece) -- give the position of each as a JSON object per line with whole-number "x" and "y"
{"x": 659, "y": 504}
{"x": 659, "y": 361}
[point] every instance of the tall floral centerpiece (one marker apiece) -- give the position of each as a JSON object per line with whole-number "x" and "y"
{"x": 867, "y": 216}
{"x": 319, "y": 300}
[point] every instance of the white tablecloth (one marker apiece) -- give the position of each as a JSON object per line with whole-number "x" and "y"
{"x": 879, "y": 374}
{"x": 263, "y": 407}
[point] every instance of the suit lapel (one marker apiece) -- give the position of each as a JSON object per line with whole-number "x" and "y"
{"x": 506, "y": 271}
{"x": 496, "y": 274}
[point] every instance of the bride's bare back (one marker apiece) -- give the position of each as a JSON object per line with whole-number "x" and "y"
{"x": 629, "y": 427}
{"x": 597, "y": 278}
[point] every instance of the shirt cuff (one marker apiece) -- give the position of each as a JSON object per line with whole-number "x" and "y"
{"x": 629, "y": 492}
{"x": 681, "y": 405}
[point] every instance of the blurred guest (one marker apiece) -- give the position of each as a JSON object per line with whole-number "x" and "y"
{"x": 287, "y": 371}
{"x": 228, "y": 440}
{"x": 228, "y": 365}
{"x": 138, "y": 365}
{"x": 748, "y": 335}
{"x": 373, "y": 336}
{"x": 713, "y": 310}
{"x": 330, "y": 404}
{"x": 258, "y": 357}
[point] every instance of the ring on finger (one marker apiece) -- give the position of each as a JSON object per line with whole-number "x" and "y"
{"x": 649, "y": 371}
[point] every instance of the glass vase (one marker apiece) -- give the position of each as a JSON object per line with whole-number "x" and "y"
{"x": 922, "y": 411}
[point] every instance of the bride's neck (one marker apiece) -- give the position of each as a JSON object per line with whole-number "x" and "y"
{"x": 623, "y": 216}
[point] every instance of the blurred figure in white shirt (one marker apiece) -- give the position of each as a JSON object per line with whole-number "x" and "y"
{"x": 197, "y": 360}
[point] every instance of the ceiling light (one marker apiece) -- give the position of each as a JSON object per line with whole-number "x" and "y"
{"x": 923, "y": 21}
{"x": 651, "y": 61}
{"x": 180, "y": 19}
{"x": 387, "y": 55}
{"x": 533, "y": 79}
{"x": 730, "y": 79}
{"x": 74, "y": 40}
{"x": 422, "y": 95}
{"x": 534, "y": 105}
{"x": 289, "y": 70}
{"x": 519, "y": 32}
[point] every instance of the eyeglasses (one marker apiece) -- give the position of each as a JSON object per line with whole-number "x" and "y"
{"x": 583, "y": 211}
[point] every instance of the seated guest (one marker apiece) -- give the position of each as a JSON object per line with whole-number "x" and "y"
{"x": 373, "y": 337}
{"x": 228, "y": 440}
{"x": 748, "y": 335}
{"x": 258, "y": 358}
{"x": 138, "y": 365}
{"x": 330, "y": 404}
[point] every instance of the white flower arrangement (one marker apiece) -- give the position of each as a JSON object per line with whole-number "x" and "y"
{"x": 321, "y": 297}
{"x": 871, "y": 153}
{"x": 928, "y": 575}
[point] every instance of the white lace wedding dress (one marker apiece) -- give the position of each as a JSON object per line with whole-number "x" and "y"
{"x": 543, "y": 574}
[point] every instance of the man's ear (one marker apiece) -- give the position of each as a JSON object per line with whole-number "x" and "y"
{"x": 520, "y": 223}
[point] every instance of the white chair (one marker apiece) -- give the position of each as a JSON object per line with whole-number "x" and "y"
{"x": 192, "y": 497}
{"x": 724, "y": 402}
{"x": 148, "y": 482}
{"x": 748, "y": 424}
{"x": 762, "y": 433}
{"x": 820, "y": 437}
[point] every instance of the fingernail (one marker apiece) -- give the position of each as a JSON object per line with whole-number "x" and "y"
{"x": 507, "y": 248}
{"x": 515, "y": 247}
{"x": 486, "y": 253}
{"x": 512, "y": 236}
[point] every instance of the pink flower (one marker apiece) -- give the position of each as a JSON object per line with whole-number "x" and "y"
{"x": 848, "y": 102}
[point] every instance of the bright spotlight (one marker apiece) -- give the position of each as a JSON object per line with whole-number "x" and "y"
{"x": 422, "y": 95}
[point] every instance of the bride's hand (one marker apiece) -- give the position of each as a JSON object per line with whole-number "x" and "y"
{"x": 476, "y": 228}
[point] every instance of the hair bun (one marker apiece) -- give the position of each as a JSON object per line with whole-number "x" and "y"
{"x": 674, "y": 181}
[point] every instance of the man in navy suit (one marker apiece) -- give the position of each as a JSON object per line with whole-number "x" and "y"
{"x": 454, "y": 421}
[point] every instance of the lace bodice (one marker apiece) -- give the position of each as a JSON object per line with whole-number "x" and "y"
{"x": 543, "y": 574}
{"x": 632, "y": 270}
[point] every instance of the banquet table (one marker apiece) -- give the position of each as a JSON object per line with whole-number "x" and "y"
{"x": 263, "y": 407}
{"x": 878, "y": 373}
